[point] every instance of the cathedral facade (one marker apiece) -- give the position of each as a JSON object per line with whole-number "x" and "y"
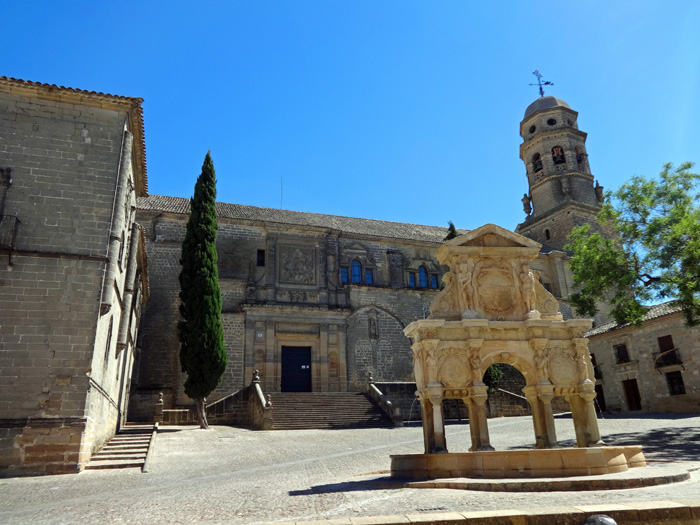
{"x": 89, "y": 289}
{"x": 317, "y": 302}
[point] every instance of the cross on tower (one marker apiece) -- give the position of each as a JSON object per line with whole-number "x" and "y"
{"x": 537, "y": 73}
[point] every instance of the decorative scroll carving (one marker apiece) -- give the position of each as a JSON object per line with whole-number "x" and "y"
{"x": 446, "y": 305}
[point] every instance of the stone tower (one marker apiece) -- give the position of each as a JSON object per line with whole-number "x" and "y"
{"x": 562, "y": 193}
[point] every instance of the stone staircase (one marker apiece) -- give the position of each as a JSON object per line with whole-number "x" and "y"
{"x": 127, "y": 449}
{"x": 316, "y": 410}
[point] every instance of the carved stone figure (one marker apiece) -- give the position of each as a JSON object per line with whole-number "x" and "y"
{"x": 565, "y": 185}
{"x": 528, "y": 288}
{"x": 373, "y": 334}
{"x": 599, "y": 192}
{"x": 475, "y": 364}
{"x": 527, "y": 206}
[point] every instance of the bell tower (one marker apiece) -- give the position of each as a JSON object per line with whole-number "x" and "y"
{"x": 562, "y": 193}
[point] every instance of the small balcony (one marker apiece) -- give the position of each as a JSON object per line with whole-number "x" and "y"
{"x": 667, "y": 358}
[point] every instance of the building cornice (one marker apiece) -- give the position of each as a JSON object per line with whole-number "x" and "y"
{"x": 130, "y": 105}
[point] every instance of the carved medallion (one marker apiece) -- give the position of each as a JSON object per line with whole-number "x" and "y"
{"x": 495, "y": 292}
{"x": 453, "y": 373}
{"x": 562, "y": 370}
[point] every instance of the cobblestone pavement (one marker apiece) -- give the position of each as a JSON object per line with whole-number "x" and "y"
{"x": 240, "y": 476}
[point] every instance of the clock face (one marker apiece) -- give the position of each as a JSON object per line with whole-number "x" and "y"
{"x": 551, "y": 122}
{"x": 532, "y": 129}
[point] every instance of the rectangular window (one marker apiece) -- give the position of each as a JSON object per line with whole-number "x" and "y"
{"x": 261, "y": 257}
{"x": 547, "y": 287}
{"x": 433, "y": 281}
{"x": 674, "y": 380}
{"x": 621, "y": 354}
{"x": 356, "y": 273}
{"x": 344, "y": 275}
{"x": 369, "y": 276}
{"x": 412, "y": 279}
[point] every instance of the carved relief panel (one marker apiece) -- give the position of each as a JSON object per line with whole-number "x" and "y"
{"x": 297, "y": 265}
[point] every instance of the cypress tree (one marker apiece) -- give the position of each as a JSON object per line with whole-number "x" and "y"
{"x": 202, "y": 349}
{"x": 451, "y": 232}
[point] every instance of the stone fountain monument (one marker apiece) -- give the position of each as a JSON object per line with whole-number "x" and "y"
{"x": 493, "y": 309}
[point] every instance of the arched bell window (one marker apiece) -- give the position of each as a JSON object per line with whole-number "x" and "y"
{"x": 579, "y": 154}
{"x": 558, "y": 155}
{"x": 422, "y": 277}
{"x": 537, "y": 162}
{"x": 356, "y": 275}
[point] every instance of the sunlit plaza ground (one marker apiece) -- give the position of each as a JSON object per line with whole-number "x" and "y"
{"x": 237, "y": 475}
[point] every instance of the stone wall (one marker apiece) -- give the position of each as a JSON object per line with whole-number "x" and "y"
{"x": 60, "y": 323}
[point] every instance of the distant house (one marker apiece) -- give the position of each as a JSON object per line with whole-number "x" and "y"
{"x": 653, "y": 368}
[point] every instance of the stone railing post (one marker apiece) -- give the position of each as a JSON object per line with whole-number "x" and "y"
{"x": 158, "y": 418}
{"x": 260, "y": 407}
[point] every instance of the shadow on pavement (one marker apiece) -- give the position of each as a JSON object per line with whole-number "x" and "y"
{"x": 349, "y": 486}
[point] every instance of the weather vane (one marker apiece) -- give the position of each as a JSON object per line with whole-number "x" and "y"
{"x": 537, "y": 73}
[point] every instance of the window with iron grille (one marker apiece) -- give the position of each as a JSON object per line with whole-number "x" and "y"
{"x": 674, "y": 380}
{"x": 621, "y": 354}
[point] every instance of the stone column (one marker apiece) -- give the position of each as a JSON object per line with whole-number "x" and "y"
{"x": 435, "y": 396}
{"x": 342, "y": 357}
{"x": 479, "y": 395}
{"x": 538, "y": 419}
{"x": 428, "y": 429}
{"x": 473, "y": 408}
{"x": 591, "y": 432}
{"x": 273, "y": 373}
{"x": 548, "y": 418}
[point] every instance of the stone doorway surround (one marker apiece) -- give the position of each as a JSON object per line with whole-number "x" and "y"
{"x": 493, "y": 309}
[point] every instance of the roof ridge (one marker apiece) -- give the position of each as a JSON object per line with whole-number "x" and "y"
{"x": 317, "y": 214}
{"x": 66, "y": 88}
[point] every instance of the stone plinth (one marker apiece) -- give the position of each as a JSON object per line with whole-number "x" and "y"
{"x": 545, "y": 463}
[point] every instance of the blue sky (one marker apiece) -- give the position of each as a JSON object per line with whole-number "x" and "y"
{"x": 395, "y": 110}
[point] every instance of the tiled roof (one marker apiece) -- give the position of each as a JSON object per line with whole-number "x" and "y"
{"x": 658, "y": 310}
{"x": 352, "y": 225}
{"x": 90, "y": 98}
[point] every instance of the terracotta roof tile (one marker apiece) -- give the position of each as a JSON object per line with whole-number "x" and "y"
{"x": 658, "y": 310}
{"x": 351, "y": 225}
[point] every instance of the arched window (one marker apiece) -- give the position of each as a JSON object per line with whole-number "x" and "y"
{"x": 558, "y": 155}
{"x": 422, "y": 277}
{"x": 356, "y": 272}
{"x": 537, "y": 162}
{"x": 579, "y": 154}
{"x": 546, "y": 234}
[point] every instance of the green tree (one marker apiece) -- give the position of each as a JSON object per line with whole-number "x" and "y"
{"x": 202, "y": 349}
{"x": 451, "y": 232}
{"x": 493, "y": 376}
{"x": 653, "y": 253}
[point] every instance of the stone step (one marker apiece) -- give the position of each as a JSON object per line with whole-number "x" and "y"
{"x": 104, "y": 457}
{"x": 127, "y": 449}
{"x": 114, "y": 463}
{"x": 296, "y": 411}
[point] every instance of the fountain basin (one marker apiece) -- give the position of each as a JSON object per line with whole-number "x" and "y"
{"x": 535, "y": 463}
